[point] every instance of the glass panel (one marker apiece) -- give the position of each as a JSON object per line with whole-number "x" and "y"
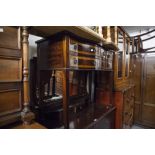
{"x": 120, "y": 54}
{"x": 126, "y": 58}
{"x": 120, "y": 62}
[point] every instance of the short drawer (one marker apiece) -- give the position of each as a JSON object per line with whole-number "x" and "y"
{"x": 10, "y": 69}
{"x": 10, "y": 37}
{"x": 10, "y": 98}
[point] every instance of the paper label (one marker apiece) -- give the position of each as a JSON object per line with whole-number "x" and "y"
{"x": 1, "y": 29}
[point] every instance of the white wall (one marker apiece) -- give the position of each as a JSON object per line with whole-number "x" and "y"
{"x": 33, "y": 45}
{"x": 146, "y": 44}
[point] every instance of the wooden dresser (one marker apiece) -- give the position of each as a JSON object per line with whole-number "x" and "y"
{"x": 124, "y": 101}
{"x": 10, "y": 75}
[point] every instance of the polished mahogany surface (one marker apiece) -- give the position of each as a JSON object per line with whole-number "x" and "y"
{"x": 91, "y": 117}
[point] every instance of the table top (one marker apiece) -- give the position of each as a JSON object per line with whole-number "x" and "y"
{"x": 80, "y": 31}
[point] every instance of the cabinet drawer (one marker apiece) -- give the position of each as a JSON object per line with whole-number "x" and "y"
{"x": 127, "y": 116}
{"x": 10, "y": 69}
{"x": 10, "y": 101}
{"x": 10, "y": 37}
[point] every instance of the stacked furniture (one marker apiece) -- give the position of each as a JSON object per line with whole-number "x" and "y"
{"x": 70, "y": 66}
{"x": 77, "y": 63}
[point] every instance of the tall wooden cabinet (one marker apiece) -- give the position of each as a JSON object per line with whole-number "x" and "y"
{"x": 10, "y": 75}
{"x": 123, "y": 88}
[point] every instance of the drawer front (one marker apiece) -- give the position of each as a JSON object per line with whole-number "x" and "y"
{"x": 81, "y": 55}
{"x": 85, "y": 62}
{"x": 88, "y": 56}
{"x": 10, "y": 69}
{"x": 10, "y": 99}
{"x": 10, "y": 37}
{"x": 128, "y": 120}
{"x": 128, "y": 107}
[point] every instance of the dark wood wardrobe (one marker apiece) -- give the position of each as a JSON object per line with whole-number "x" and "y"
{"x": 143, "y": 76}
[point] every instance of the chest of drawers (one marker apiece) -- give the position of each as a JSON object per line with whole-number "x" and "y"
{"x": 10, "y": 75}
{"x": 65, "y": 51}
{"x": 124, "y": 101}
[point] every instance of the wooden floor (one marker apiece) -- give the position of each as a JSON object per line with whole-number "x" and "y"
{"x": 34, "y": 125}
{"x": 137, "y": 127}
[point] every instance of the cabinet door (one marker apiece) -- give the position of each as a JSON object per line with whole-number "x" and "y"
{"x": 148, "y": 105}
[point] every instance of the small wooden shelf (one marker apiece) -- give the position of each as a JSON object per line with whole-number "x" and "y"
{"x": 89, "y": 117}
{"x": 80, "y": 31}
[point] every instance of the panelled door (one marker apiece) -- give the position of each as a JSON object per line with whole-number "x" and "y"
{"x": 148, "y": 91}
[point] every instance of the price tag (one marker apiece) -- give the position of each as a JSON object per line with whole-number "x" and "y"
{"x": 1, "y": 29}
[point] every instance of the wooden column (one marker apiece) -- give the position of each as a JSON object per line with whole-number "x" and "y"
{"x": 116, "y": 36}
{"x": 66, "y": 82}
{"x": 27, "y": 115}
{"x": 108, "y": 34}
{"x": 100, "y": 31}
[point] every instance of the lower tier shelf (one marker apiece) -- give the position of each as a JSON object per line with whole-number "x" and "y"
{"x": 91, "y": 117}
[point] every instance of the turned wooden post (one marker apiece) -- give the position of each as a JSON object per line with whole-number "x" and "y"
{"x": 108, "y": 34}
{"x": 100, "y": 31}
{"x": 116, "y": 36}
{"x": 27, "y": 115}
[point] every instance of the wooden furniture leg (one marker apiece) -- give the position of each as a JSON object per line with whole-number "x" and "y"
{"x": 66, "y": 98}
{"x": 26, "y": 114}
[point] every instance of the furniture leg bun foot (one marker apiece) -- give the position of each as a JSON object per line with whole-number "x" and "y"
{"x": 27, "y": 117}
